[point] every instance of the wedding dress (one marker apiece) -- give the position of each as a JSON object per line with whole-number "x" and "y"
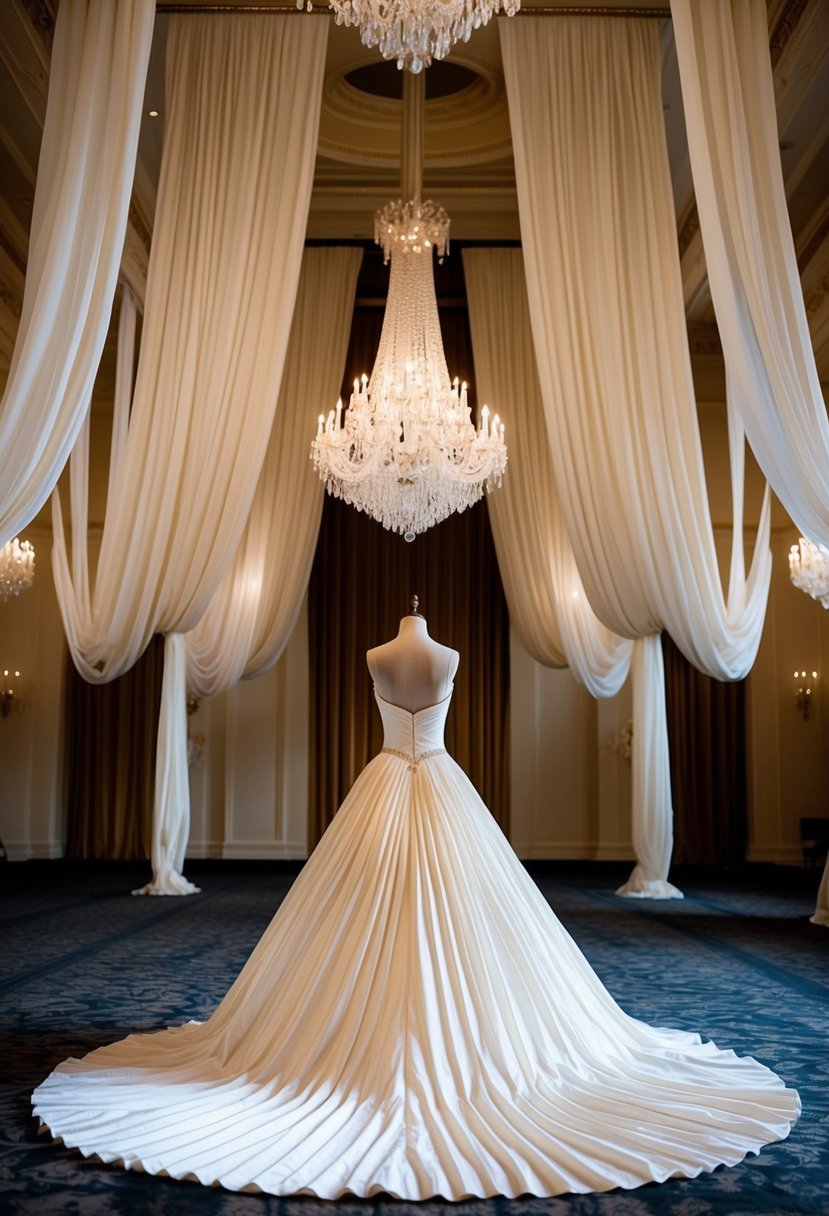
{"x": 415, "y": 1020}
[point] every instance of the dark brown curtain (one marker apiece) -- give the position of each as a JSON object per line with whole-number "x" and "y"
{"x": 360, "y": 586}
{"x": 110, "y": 768}
{"x": 707, "y": 737}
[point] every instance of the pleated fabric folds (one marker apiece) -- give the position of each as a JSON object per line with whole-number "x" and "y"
{"x": 243, "y": 99}
{"x": 82, "y": 195}
{"x": 416, "y": 1021}
{"x": 731, "y": 118}
{"x": 605, "y": 301}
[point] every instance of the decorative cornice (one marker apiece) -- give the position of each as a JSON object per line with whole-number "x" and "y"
{"x": 815, "y": 297}
{"x": 285, "y": 10}
{"x": 15, "y": 256}
{"x": 783, "y": 31}
{"x": 592, "y": 10}
{"x": 137, "y": 221}
{"x": 813, "y": 244}
{"x": 41, "y": 18}
{"x": 457, "y": 191}
{"x": 321, "y": 10}
{"x": 688, "y": 230}
{"x": 134, "y": 264}
{"x": 785, "y": 27}
{"x": 12, "y": 300}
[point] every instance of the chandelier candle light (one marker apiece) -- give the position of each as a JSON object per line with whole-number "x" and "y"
{"x": 17, "y": 568}
{"x": 416, "y": 31}
{"x": 406, "y": 450}
{"x": 809, "y": 569}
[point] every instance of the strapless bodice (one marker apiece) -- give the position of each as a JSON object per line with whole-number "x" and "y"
{"x": 413, "y": 734}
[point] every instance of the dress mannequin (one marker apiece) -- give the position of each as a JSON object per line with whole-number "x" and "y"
{"x": 416, "y": 1021}
{"x": 412, "y": 670}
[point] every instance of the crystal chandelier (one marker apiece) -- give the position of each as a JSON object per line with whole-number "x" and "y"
{"x": 415, "y": 31}
{"x": 406, "y": 450}
{"x": 17, "y": 568}
{"x": 809, "y": 569}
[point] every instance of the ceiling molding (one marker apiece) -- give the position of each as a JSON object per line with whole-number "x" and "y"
{"x": 42, "y": 21}
{"x": 785, "y": 26}
{"x": 14, "y": 239}
{"x": 468, "y": 127}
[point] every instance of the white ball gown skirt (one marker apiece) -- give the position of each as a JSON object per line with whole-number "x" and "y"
{"x": 415, "y": 1020}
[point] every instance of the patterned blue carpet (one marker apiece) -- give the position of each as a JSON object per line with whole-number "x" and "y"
{"x": 82, "y": 964}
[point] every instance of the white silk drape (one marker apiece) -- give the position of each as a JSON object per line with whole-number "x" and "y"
{"x": 546, "y": 599}
{"x": 250, "y": 617}
{"x": 84, "y": 182}
{"x": 731, "y": 119}
{"x": 243, "y": 98}
{"x": 605, "y": 298}
{"x": 730, "y": 115}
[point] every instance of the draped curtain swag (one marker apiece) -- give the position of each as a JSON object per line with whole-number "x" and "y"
{"x": 547, "y": 601}
{"x": 605, "y": 299}
{"x": 547, "y": 604}
{"x": 731, "y": 119}
{"x": 243, "y": 100}
{"x": 730, "y": 114}
{"x": 84, "y": 182}
{"x": 251, "y": 616}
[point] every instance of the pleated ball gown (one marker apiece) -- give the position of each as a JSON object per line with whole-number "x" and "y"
{"x": 415, "y": 1020}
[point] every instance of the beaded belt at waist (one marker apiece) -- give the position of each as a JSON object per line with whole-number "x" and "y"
{"x": 414, "y": 760}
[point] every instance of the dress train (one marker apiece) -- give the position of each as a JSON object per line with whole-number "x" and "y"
{"x": 415, "y": 1020}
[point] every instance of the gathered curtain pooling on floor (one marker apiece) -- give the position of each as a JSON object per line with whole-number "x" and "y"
{"x": 250, "y": 617}
{"x": 253, "y": 611}
{"x": 243, "y": 98}
{"x": 605, "y": 301}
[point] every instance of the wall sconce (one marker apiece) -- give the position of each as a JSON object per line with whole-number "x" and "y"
{"x": 804, "y": 687}
{"x": 10, "y": 693}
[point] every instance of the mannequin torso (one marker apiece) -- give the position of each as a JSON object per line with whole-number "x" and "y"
{"x": 412, "y": 670}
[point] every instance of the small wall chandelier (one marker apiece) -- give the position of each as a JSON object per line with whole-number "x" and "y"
{"x": 406, "y": 450}
{"x": 415, "y": 31}
{"x": 809, "y": 569}
{"x": 17, "y": 568}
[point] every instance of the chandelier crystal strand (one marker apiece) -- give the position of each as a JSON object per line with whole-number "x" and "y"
{"x": 406, "y": 450}
{"x": 17, "y": 568}
{"x": 809, "y": 569}
{"x": 414, "y": 32}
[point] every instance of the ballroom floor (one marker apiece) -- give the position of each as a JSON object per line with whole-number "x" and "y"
{"x": 82, "y": 964}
